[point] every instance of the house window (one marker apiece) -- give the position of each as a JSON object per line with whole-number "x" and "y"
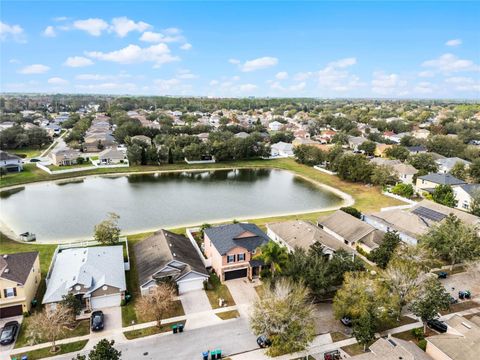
{"x": 10, "y": 292}
{"x": 230, "y": 258}
{"x": 241, "y": 257}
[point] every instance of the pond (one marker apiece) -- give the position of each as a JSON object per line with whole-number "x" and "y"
{"x": 60, "y": 211}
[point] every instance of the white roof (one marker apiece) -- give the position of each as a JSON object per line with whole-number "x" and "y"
{"x": 91, "y": 267}
{"x": 282, "y": 146}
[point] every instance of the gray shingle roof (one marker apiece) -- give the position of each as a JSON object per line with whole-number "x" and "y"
{"x": 226, "y": 237}
{"x": 442, "y": 179}
{"x": 471, "y": 189}
{"x": 7, "y": 156}
{"x": 347, "y": 226}
{"x": 19, "y": 266}
{"x": 160, "y": 249}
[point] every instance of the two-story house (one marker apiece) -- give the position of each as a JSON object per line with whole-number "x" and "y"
{"x": 231, "y": 249}
{"x": 10, "y": 162}
{"x": 19, "y": 279}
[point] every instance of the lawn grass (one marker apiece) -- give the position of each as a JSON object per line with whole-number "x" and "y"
{"x": 29, "y": 152}
{"x": 45, "y": 352}
{"x": 404, "y": 320}
{"x": 460, "y": 306}
{"x": 260, "y": 289}
{"x": 232, "y": 314}
{"x": 338, "y": 336}
{"x": 82, "y": 328}
{"x": 469, "y": 316}
{"x": 152, "y": 330}
{"x": 67, "y": 167}
{"x": 220, "y": 292}
{"x": 354, "y": 349}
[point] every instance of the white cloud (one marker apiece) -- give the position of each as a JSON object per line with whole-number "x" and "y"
{"x": 158, "y": 54}
{"x": 108, "y": 87}
{"x": 247, "y": 88}
{"x": 57, "y": 81}
{"x": 424, "y": 87}
{"x": 298, "y": 87}
{"x": 302, "y": 76}
{"x": 343, "y": 63}
{"x": 60, "y": 18}
{"x": 99, "y": 77}
{"x": 257, "y": 64}
{"x": 448, "y": 63}
{"x": 388, "y": 84}
{"x": 123, "y": 25}
{"x": 426, "y": 74}
{"x": 213, "y": 82}
{"x": 34, "y": 69}
{"x": 234, "y": 61}
{"x": 335, "y": 77}
{"x": 78, "y": 61}
{"x": 463, "y": 83}
{"x": 166, "y": 84}
{"x": 282, "y": 75}
{"x": 186, "y": 74}
{"x": 14, "y": 32}
{"x": 186, "y": 46}
{"x": 93, "y": 26}
{"x": 150, "y": 36}
{"x": 49, "y": 31}
{"x": 454, "y": 42}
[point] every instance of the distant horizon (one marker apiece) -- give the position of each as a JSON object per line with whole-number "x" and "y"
{"x": 328, "y": 49}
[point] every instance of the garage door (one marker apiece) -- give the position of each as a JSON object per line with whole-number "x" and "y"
{"x": 235, "y": 274}
{"x": 190, "y": 285}
{"x": 11, "y": 311}
{"x": 99, "y": 302}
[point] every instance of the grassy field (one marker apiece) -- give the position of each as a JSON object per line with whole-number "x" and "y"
{"x": 29, "y": 152}
{"x": 45, "y": 352}
{"x": 221, "y": 292}
{"x": 135, "y": 334}
{"x": 83, "y": 328}
{"x": 67, "y": 167}
{"x": 232, "y": 314}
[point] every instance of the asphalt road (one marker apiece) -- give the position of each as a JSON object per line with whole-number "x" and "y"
{"x": 231, "y": 337}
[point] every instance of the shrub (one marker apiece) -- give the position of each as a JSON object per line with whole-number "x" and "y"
{"x": 214, "y": 280}
{"x": 352, "y": 211}
{"x": 418, "y": 333}
{"x": 422, "y": 344}
{"x": 405, "y": 190}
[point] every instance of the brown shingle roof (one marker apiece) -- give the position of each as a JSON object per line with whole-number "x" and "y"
{"x": 347, "y": 226}
{"x": 17, "y": 267}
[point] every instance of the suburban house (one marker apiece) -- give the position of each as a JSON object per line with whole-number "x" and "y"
{"x": 446, "y": 165}
{"x": 275, "y": 126}
{"x": 385, "y": 162}
{"x": 430, "y": 181}
{"x": 166, "y": 256}
{"x": 231, "y": 249}
{"x": 416, "y": 221}
{"x": 392, "y": 348}
{"x": 95, "y": 275}
{"x": 355, "y": 141}
{"x": 10, "y": 162}
{"x": 303, "y": 234}
{"x": 351, "y": 230}
{"x": 464, "y": 195}
{"x": 64, "y": 157}
{"x": 421, "y": 133}
{"x": 142, "y": 138}
{"x": 19, "y": 280}
{"x": 381, "y": 148}
{"x": 405, "y": 172}
{"x": 460, "y": 342}
{"x": 112, "y": 156}
{"x": 414, "y": 150}
{"x": 281, "y": 149}
{"x": 97, "y": 141}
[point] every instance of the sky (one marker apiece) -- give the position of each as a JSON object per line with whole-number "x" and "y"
{"x": 337, "y": 49}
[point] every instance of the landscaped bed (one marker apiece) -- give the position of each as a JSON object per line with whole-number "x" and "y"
{"x": 354, "y": 349}
{"x": 152, "y": 330}
{"x": 338, "y": 336}
{"x": 225, "y": 315}
{"x": 216, "y": 291}
{"x": 460, "y": 306}
{"x": 45, "y": 351}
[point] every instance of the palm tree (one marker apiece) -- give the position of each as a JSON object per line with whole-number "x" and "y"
{"x": 274, "y": 255}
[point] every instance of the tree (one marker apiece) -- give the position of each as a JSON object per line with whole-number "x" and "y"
{"x": 368, "y": 147}
{"x": 443, "y": 194}
{"x": 382, "y": 255}
{"x": 73, "y": 303}
{"x": 354, "y": 167}
{"x": 103, "y": 350}
{"x": 460, "y": 171}
{"x": 405, "y": 190}
{"x": 158, "y": 302}
{"x": 108, "y": 232}
{"x": 274, "y": 255}
{"x": 309, "y": 155}
{"x": 475, "y": 202}
{"x": 452, "y": 240}
{"x": 50, "y": 324}
{"x": 430, "y": 300}
{"x": 424, "y": 163}
{"x": 383, "y": 175}
{"x": 397, "y": 152}
{"x": 364, "y": 329}
{"x": 474, "y": 170}
{"x": 352, "y": 211}
{"x": 446, "y": 146}
{"x": 285, "y": 315}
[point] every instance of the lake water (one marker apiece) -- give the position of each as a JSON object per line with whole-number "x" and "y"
{"x": 65, "y": 211}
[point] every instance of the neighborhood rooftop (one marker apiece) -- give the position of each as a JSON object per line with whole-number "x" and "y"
{"x": 227, "y": 237}
{"x": 17, "y": 267}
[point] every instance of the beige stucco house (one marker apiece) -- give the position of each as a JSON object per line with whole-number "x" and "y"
{"x": 232, "y": 248}
{"x": 19, "y": 279}
{"x": 64, "y": 157}
{"x": 430, "y": 181}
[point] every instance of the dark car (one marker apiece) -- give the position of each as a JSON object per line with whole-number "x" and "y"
{"x": 263, "y": 341}
{"x": 332, "y": 355}
{"x": 35, "y": 160}
{"x": 9, "y": 331}
{"x": 97, "y": 321}
{"x": 438, "y": 325}
{"x": 442, "y": 275}
{"x": 346, "y": 321}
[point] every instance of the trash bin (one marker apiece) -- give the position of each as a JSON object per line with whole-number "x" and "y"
{"x": 219, "y": 354}
{"x": 180, "y": 327}
{"x": 213, "y": 355}
{"x": 174, "y": 328}
{"x": 467, "y": 294}
{"x": 205, "y": 355}
{"x": 24, "y": 357}
{"x": 461, "y": 295}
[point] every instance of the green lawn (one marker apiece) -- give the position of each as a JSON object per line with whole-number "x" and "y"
{"x": 83, "y": 328}
{"x": 29, "y": 152}
{"x": 338, "y": 336}
{"x": 45, "y": 352}
{"x": 68, "y": 167}
{"x": 220, "y": 292}
{"x": 460, "y": 306}
{"x": 135, "y": 334}
{"x": 404, "y": 320}
{"x": 354, "y": 349}
{"x": 232, "y": 314}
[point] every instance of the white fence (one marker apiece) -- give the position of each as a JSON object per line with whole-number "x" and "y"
{"x": 191, "y": 162}
{"x": 78, "y": 169}
{"x": 398, "y": 197}
{"x": 319, "y": 168}
{"x": 189, "y": 232}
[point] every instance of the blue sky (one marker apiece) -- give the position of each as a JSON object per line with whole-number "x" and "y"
{"x": 320, "y": 49}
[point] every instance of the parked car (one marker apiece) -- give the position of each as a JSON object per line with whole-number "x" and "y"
{"x": 332, "y": 355}
{"x": 9, "y": 332}
{"x": 263, "y": 341}
{"x": 464, "y": 294}
{"x": 346, "y": 321}
{"x": 453, "y": 300}
{"x": 97, "y": 320}
{"x": 35, "y": 160}
{"x": 442, "y": 275}
{"x": 438, "y": 325}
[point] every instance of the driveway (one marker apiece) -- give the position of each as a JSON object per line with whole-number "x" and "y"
{"x": 5, "y": 350}
{"x": 242, "y": 291}
{"x": 113, "y": 321}
{"x": 195, "y": 302}
{"x": 462, "y": 281}
{"x": 325, "y": 321}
